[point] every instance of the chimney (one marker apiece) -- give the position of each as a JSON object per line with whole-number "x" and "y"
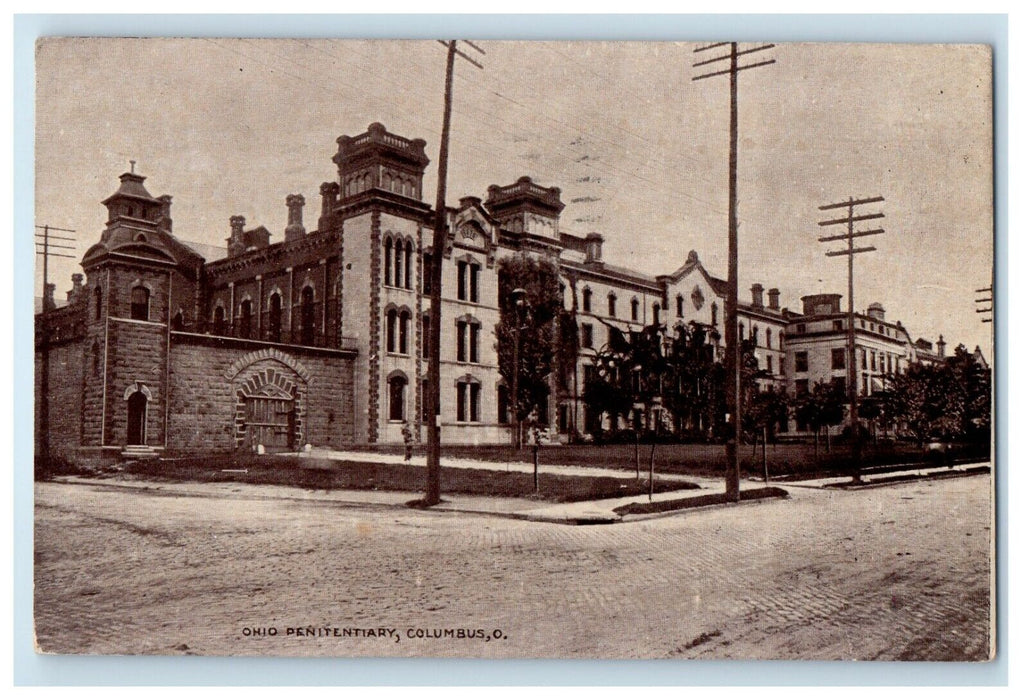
{"x": 773, "y": 299}
{"x": 594, "y": 247}
{"x": 48, "y": 297}
{"x": 941, "y": 347}
{"x": 757, "y": 295}
{"x": 330, "y": 193}
{"x": 236, "y": 243}
{"x": 295, "y": 223}
{"x": 165, "y": 220}
{"x": 76, "y": 286}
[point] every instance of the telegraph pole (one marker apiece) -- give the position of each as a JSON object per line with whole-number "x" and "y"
{"x": 850, "y": 251}
{"x": 732, "y": 347}
{"x": 439, "y": 232}
{"x": 988, "y": 299}
{"x": 43, "y": 240}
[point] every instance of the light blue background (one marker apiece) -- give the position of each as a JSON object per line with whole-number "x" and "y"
{"x": 33, "y": 669}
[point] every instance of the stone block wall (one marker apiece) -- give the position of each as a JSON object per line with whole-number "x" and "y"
{"x": 65, "y": 400}
{"x": 210, "y": 377}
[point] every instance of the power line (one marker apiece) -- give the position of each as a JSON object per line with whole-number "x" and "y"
{"x": 985, "y": 300}
{"x": 850, "y": 251}
{"x": 732, "y": 347}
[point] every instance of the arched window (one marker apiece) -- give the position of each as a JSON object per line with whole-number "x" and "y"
{"x": 307, "y": 316}
{"x": 398, "y": 265}
{"x": 391, "y": 330}
{"x": 405, "y": 326}
{"x": 396, "y": 386}
{"x": 587, "y": 300}
{"x": 177, "y": 322}
{"x": 218, "y": 326}
{"x": 98, "y": 303}
{"x": 612, "y": 305}
{"x": 275, "y": 317}
{"x": 140, "y": 300}
{"x": 246, "y": 313}
{"x": 635, "y": 309}
{"x": 408, "y": 252}
{"x": 387, "y": 262}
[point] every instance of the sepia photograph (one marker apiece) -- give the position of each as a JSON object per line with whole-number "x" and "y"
{"x": 514, "y": 349}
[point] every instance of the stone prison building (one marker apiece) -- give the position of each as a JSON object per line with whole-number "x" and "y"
{"x": 320, "y": 337}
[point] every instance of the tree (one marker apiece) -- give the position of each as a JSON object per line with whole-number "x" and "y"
{"x": 629, "y": 369}
{"x": 536, "y": 327}
{"x": 820, "y": 407}
{"x": 767, "y": 410}
{"x": 693, "y": 389}
{"x": 950, "y": 400}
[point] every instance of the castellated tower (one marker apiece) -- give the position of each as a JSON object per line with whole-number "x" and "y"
{"x": 386, "y": 230}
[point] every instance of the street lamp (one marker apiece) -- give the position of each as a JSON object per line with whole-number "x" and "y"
{"x": 518, "y": 298}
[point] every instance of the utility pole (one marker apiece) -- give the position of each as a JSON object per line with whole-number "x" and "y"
{"x": 43, "y": 240}
{"x": 439, "y": 233}
{"x": 732, "y": 346}
{"x": 850, "y": 251}
{"x": 988, "y": 299}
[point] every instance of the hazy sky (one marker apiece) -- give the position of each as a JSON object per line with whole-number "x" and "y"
{"x": 640, "y": 151}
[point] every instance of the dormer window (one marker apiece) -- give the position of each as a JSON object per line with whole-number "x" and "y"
{"x": 129, "y": 211}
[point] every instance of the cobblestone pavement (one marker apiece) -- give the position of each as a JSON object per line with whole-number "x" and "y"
{"x": 900, "y": 572}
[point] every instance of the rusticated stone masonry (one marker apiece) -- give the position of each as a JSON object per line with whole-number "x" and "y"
{"x": 375, "y": 323}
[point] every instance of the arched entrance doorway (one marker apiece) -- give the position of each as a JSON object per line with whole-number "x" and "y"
{"x": 137, "y": 405}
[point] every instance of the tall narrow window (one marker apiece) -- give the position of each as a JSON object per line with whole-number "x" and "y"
{"x": 473, "y": 342}
{"x": 275, "y": 318}
{"x": 391, "y": 330}
{"x": 307, "y": 316}
{"x": 425, "y": 335}
{"x": 405, "y": 323}
{"x": 657, "y": 313}
{"x": 473, "y": 283}
{"x": 98, "y": 303}
{"x": 635, "y": 310}
{"x": 140, "y": 300}
{"x": 408, "y": 251}
{"x": 679, "y": 306}
{"x": 768, "y": 337}
{"x": 612, "y": 305}
{"x": 245, "y": 316}
{"x": 462, "y": 289}
{"x": 427, "y": 273}
{"x": 398, "y": 266}
{"x": 396, "y": 385}
{"x": 714, "y": 315}
{"x": 473, "y": 402}
{"x": 387, "y": 261}
{"x": 782, "y": 340}
{"x": 587, "y": 300}
{"x": 741, "y": 333}
{"x": 218, "y": 326}
{"x": 461, "y": 353}
{"x": 587, "y": 335}
{"x": 177, "y": 322}
{"x": 503, "y": 405}
{"x": 461, "y": 393}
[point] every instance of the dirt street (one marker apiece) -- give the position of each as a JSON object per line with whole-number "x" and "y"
{"x": 900, "y": 572}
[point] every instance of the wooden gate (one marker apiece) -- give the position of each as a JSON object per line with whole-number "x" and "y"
{"x": 270, "y": 419}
